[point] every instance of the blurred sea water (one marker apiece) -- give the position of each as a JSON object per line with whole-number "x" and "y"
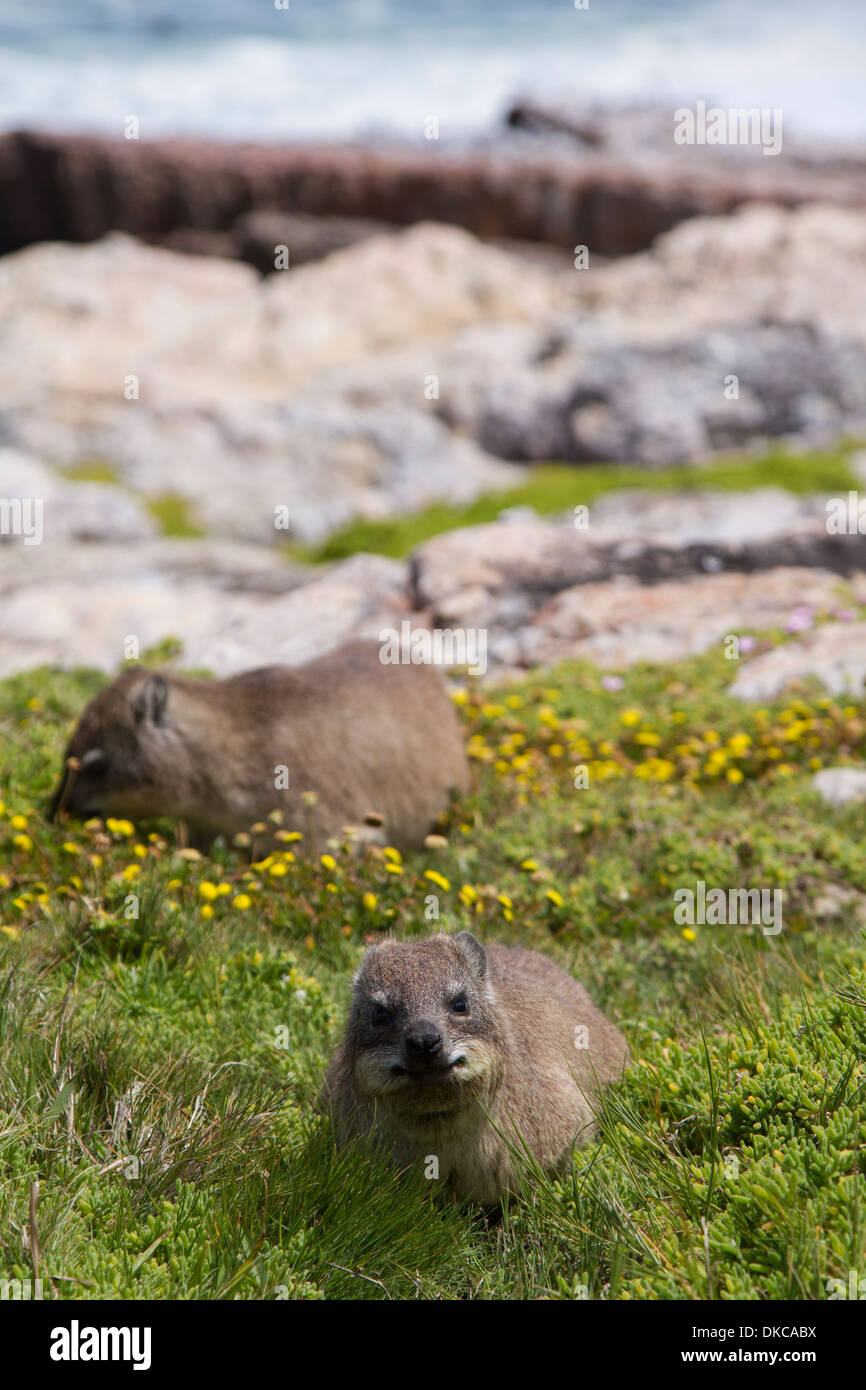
{"x": 248, "y": 69}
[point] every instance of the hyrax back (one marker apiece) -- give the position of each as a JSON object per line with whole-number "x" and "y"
{"x": 447, "y": 1042}
{"x": 362, "y": 736}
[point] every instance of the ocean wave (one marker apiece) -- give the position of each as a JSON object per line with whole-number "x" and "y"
{"x": 296, "y": 80}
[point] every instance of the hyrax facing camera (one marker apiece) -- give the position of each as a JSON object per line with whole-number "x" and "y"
{"x": 339, "y": 742}
{"x": 448, "y": 1043}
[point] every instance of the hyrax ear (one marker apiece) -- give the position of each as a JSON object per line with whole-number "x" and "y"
{"x": 474, "y": 953}
{"x": 150, "y": 699}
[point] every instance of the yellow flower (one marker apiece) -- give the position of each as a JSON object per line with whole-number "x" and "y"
{"x": 689, "y": 934}
{"x": 554, "y": 897}
{"x": 393, "y": 869}
{"x": 207, "y": 912}
{"x": 329, "y": 861}
{"x": 630, "y": 717}
{"x": 18, "y": 822}
{"x": 460, "y": 696}
{"x": 223, "y": 890}
{"x": 287, "y": 835}
{"x": 648, "y": 739}
{"x": 739, "y": 744}
{"x": 69, "y": 847}
{"x": 22, "y": 841}
{"x": 393, "y": 854}
{"x": 139, "y": 851}
{"x": 504, "y": 899}
{"x": 14, "y": 932}
{"x": 277, "y": 870}
{"x": 370, "y": 901}
{"x": 734, "y": 775}
{"x": 207, "y": 891}
{"x": 242, "y": 902}
{"x": 132, "y": 871}
{"x": 469, "y": 894}
{"x": 119, "y": 827}
{"x": 439, "y": 879}
{"x": 529, "y": 865}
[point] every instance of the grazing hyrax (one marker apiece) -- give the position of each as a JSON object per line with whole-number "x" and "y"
{"x": 369, "y": 739}
{"x": 442, "y": 1031}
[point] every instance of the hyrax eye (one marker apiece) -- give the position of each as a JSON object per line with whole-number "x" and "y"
{"x": 95, "y": 763}
{"x": 381, "y": 1015}
{"x": 460, "y": 1004}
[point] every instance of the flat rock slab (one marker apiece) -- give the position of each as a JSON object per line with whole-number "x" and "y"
{"x": 241, "y": 617}
{"x": 69, "y": 510}
{"x": 500, "y": 575}
{"x": 834, "y": 653}
{"x": 620, "y": 622}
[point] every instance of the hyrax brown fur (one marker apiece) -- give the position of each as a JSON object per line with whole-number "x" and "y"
{"x": 448, "y": 1042}
{"x": 366, "y": 738}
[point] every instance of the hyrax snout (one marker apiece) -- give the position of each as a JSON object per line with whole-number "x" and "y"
{"x": 342, "y": 741}
{"x": 470, "y": 1056}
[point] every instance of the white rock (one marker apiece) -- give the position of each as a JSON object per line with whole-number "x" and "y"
{"x": 839, "y": 785}
{"x": 835, "y": 653}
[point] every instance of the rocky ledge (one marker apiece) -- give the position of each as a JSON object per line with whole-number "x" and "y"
{"x": 423, "y": 365}
{"x": 614, "y": 191}
{"x": 719, "y": 565}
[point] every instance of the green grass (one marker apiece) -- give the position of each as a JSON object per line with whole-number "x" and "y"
{"x": 174, "y": 515}
{"x": 93, "y": 470}
{"x": 159, "y": 1070}
{"x": 553, "y": 488}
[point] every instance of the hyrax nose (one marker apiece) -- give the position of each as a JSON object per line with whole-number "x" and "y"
{"x": 424, "y": 1042}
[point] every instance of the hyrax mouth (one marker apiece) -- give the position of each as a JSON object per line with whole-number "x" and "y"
{"x": 428, "y": 1074}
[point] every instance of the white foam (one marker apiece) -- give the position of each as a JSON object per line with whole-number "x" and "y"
{"x": 351, "y": 82}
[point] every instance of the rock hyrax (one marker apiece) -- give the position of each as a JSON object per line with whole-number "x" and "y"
{"x": 366, "y": 738}
{"x": 443, "y": 1030}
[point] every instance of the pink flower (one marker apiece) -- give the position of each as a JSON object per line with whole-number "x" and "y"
{"x": 612, "y": 682}
{"x": 800, "y": 620}
{"x": 748, "y": 644}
